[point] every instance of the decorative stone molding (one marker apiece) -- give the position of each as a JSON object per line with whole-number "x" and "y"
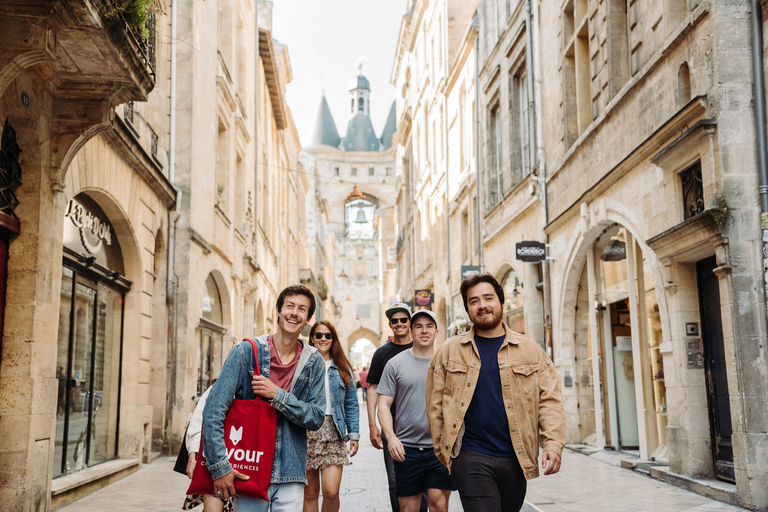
{"x": 692, "y": 239}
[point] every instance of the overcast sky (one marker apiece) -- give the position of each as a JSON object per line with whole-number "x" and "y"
{"x": 325, "y": 39}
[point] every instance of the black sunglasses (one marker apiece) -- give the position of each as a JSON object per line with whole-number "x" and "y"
{"x": 321, "y": 335}
{"x": 395, "y": 321}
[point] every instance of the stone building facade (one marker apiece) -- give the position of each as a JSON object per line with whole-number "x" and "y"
{"x": 238, "y": 235}
{"x": 619, "y": 136}
{"x": 651, "y": 301}
{"x": 354, "y": 189}
{"x": 85, "y": 204}
{"x": 434, "y": 76}
{"x": 151, "y": 210}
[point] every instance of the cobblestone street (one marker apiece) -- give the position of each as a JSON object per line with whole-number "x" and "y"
{"x": 584, "y": 484}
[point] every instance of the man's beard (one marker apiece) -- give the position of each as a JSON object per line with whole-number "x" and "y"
{"x": 487, "y": 322}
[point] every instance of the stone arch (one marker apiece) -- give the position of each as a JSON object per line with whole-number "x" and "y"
{"x": 224, "y": 296}
{"x": 505, "y": 266}
{"x": 11, "y": 70}
{"x": 570, "y": 329}
{"x": 602, "y": 217}
{"x": 362, "y": 332}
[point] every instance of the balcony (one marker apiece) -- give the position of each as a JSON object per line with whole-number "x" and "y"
{"x": 85, "y": 48}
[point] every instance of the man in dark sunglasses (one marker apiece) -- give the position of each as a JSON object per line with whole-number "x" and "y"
{"x": 399, "y": 315}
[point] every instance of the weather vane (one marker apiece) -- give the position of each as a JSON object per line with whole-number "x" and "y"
{"x": 360, "y": 61}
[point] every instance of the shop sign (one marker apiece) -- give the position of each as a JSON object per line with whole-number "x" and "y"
{"x": 424, "y": 298}
{"x": 469, "y": 270}
{"x": 94, "y": 232}
{"x": 530, "y": 251}
{"x": 616, "y": 251}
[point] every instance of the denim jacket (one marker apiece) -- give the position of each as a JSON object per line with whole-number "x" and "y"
{"x": 344, "y": 406}
{"x": 299, "y": 410}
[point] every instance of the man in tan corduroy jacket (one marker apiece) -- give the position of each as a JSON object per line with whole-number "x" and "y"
{"x": 491, "y": 395}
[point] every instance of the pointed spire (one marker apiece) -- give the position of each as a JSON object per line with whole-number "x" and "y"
{"x": 390, "y": 127}
{"x": 323, "y": 131}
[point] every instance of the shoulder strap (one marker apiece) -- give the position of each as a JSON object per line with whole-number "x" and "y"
{"x": 256, "y": 369}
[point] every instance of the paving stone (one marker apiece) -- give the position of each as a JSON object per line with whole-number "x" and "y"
{"x": 583, "y": 485}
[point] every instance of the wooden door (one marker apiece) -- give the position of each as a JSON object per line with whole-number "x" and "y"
{"x": 714, "y": 366}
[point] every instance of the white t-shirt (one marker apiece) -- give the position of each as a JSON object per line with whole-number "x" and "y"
{"x": 327, "y": 388}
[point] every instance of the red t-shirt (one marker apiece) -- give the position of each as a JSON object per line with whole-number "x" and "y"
{"x": 281, "y": 374}
{"x": 364, "y": 379}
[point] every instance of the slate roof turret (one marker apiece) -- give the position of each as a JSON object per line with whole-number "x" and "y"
{"x": 323, "y": 131}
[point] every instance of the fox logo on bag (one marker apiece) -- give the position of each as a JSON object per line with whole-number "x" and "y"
{"x": 235, "y": 435}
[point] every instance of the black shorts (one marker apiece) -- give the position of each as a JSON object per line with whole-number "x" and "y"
{"x": 421, "y": 471}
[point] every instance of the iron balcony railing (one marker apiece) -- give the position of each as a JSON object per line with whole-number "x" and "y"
{"x": 146, "y": 47}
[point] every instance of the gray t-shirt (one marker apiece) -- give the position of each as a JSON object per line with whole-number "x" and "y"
{"x": 405, "y": 378}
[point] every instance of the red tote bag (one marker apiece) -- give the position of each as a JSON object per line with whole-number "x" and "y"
{"x": 249, "y": 435}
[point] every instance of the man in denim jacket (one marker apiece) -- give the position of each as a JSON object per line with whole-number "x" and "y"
{"x": 292, "y": 379}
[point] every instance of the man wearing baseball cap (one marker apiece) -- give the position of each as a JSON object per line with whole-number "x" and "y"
{"x": 399, "y": 315}
{"x": 417, "y": 469}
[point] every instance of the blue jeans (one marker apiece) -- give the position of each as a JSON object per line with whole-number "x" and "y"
{"x": 282, "y": 498}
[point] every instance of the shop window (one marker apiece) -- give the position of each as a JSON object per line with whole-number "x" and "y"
{"x": 88, "y": 370}
{"x": 693, "y": 191}
{"x": 10, "y": 171}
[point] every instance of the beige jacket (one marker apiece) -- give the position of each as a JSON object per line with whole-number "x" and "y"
{"x": 530, "y": 386}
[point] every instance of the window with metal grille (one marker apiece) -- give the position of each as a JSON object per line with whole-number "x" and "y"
{"x": 693, "y": 191}
{"x": 128, "y": 112}
{"x": 10, "y": 170}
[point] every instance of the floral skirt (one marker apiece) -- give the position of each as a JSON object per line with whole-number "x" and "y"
{"x": 325, "y": 447}
{"x": 194, "y": 500}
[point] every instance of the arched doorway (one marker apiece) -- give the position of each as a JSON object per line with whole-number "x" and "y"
{"x": 616, "y": 328}
{"x": 211, "y": 330}
{"x": 90, "y": 340}
{"x": 513, "y": 301}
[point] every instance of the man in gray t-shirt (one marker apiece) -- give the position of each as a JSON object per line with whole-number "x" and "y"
{"x": 417, "y": 468}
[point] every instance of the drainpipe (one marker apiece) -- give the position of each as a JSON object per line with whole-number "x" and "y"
{"x": 476, "y": 25}
{"x": 447, "y": 182}
{"x": 173, "y": 218}
{"x": 532, "y": 11}
{"x": 762, "y": 152}
{"x": 256, "y": 140}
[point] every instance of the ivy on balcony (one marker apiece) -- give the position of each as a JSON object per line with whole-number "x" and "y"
{"x": 140, "y": 20}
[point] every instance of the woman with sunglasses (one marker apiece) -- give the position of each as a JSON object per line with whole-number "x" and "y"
{"x": 326, "y": 448}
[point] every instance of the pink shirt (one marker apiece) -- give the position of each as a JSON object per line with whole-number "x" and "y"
{"x": 282, "y": 374}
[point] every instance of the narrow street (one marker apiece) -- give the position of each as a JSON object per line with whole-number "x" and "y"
{"x": 584, "y": 484}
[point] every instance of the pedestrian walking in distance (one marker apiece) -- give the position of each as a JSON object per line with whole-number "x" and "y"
{"x": 417, "y": 469}
{"x": 364, "y": 382}
{"x": 491, "y": 395}
{"x": 326, "y": 448}
{"x": 292, "y": 381}
{"x": 399, "y": 315}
